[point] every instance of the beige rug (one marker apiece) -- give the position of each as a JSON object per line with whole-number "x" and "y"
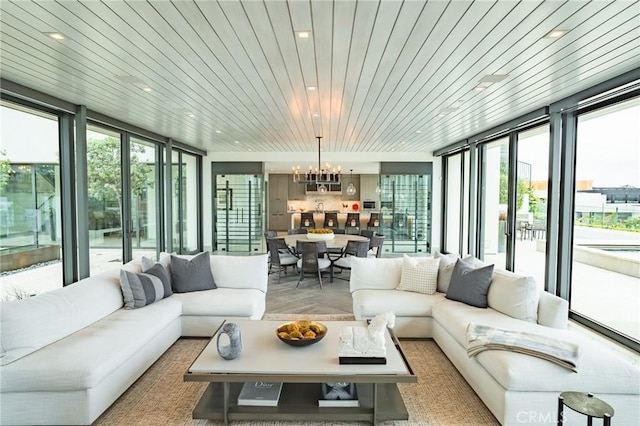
{"x": 161, "y": 397}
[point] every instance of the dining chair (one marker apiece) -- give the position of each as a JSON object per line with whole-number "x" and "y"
{"x": 330, "y": 220}
{"x": 306, "y": 220}
{"x": 353, "y": 248}
{"x": 367, "y": 233}
{"x": 352, "y": 225}
{"x": 375, "y": 246}
{"x": 295, "y": 231}
{"x": 310, "y": 261}
{"x": 280, "y": 256}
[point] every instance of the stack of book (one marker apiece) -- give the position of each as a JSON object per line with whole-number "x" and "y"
{"x": 263, "y": 394}
{"x": 339, "y": 395}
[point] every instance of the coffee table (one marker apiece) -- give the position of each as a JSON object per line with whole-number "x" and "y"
{"x": 302, "y": 369}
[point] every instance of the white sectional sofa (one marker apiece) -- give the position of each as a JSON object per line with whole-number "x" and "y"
{"x": 67, "y": 355}
{"x": 518, "y": 389}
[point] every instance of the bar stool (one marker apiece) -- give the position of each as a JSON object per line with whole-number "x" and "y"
{"x": 352, "y": 225}
{"x": 374, "y": 221}
{"x": 306, "y": 220}
{"x": 587, "y": 404}
{"x": 330, "y": 220}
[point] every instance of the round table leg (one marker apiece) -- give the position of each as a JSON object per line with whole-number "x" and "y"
{"x": 560, "y": 409}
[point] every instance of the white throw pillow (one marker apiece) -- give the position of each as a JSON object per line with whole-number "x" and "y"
{"x": 514, "y": 295}
{"x": 419, "y": 274}
{"x": 447, "y": 262}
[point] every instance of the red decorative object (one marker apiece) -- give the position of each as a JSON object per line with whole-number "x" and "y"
{"x": 355, "y": 207}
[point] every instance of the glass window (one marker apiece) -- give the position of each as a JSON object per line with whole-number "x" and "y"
{"x": 606, "y": 240}
{"x": 104, "y": 170}
{"x": 30, "y": 231}
{"x": 493, "y": 199}
{"x": 185, "y": 203}
{"x": 144, "y": 204}
{"x": 452, "y": 244}
{"x": 531, "y": 206}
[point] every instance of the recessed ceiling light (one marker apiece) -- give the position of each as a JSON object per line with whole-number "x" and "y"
{"x": 402, "y": 143}
{"x": 147, "y": 89}
{"x": 236, "y": 142}
{"x": 56, "y": 36}
{"x": 418, "y": 131}
{"x": 249, "y": 149}
{"x": 479, "y": 88}
{"x": 218, "y": 131}
{"x": 311, "y": 88}
{"x": 557, "y": 33}
{"x": 442, "y": 114}
{"x": 190, "y": 114}
{"x": 304, "y": 34}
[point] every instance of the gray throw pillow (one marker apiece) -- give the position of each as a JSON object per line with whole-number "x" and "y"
{"x": 191, "y": 275}
{"x": 161, "y": 272}
{"x": 469, "y": 285}
{"x": 140, "y": 290}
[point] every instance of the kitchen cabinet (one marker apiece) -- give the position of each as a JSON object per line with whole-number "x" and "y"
{"x": 278, "y": 219}
{"x": 345, "y": 184}
{"x": 296, "y": 190}
{"x": 368, "y": 185}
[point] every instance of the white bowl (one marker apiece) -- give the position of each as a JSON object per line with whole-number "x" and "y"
{"x": 320, "y": 237}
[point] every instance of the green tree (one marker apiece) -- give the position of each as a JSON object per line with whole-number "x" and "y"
{"x": 103, "y": 170}
{"x": 5, "y": 169}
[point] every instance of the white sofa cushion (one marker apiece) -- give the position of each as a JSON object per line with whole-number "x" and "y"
{"x": 514, "y": 295}
{"x": 419, "y": 274}
{"x": 519, "y": 372}
{"x": 375, "y": 273}
{"x": 369, "y": 303}
{"x": 222, "y": 302}
{"x": 445, "y": 269}
{"x": 85, "y": 358}
{"x": 240, "y": 271}
{"x": 30, "y": 324}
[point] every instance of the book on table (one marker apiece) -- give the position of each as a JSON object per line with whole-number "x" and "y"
{"x": 263, "y": 394}
{"x": 339, "y": 395}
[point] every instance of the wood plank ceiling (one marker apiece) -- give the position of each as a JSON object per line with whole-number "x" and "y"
{"x": 387, "y": 75}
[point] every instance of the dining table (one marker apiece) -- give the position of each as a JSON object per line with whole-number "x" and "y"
{"x": 339, "y": 241}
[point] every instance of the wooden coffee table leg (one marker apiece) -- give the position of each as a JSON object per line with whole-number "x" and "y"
{"x": 225, "y": 407}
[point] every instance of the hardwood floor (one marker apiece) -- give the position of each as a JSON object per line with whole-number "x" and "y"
{"x": 308, "y": 298}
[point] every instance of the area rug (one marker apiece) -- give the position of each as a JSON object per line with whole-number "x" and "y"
{"x": 161, "y": 396}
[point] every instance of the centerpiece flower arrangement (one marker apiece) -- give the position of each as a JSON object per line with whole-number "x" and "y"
{"x": 320, "y": 234}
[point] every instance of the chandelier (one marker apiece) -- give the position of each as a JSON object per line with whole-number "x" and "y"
{"x": 321, "y": 175}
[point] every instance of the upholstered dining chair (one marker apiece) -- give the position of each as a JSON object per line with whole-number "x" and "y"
{"x": 280, "y": 256}
{"x": 312, "y": 259}
{"x": 353, "y": 248}
{"x": 294, "y": 231}
{"x": 367, "y": 233}
{"x": 375, "y": 246}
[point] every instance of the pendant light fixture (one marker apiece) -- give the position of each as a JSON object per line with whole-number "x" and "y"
{"x": 351, "y": 188}
{"x": 321, "y": 176}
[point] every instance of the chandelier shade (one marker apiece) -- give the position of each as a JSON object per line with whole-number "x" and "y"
{"x": 321, "y": 175}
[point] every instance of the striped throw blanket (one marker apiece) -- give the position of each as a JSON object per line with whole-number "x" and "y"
{"x": 481, "y": 338}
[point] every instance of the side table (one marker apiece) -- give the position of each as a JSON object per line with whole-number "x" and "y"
{"x": 587, "y": 404}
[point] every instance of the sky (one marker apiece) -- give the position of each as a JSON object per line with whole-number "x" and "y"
{"x": 608, "y": 149}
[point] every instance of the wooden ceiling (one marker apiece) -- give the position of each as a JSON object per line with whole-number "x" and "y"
{"x": 388, "y": 75}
